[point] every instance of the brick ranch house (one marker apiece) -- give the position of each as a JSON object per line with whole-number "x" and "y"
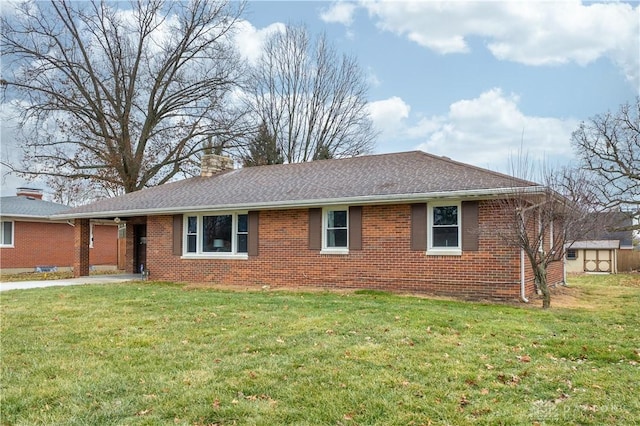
{"x": 403, "y": 222}
{"x": 30, "y": 240}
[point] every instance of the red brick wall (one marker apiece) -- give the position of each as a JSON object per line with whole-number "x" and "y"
{"x": 51, "y": 244}
{"x": 386, "y": 261}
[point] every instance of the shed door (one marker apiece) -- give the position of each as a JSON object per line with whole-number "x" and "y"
{"x": 597, "y": 260}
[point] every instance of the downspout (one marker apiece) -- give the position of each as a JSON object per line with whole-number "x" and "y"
{"x": 564, "y": 268}
{"x": 523, "y": 289}
{"x": 523, "y": 292}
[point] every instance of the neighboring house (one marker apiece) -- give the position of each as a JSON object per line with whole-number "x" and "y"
{"x": 30, "y": 240}
{"x": 403, "y": 222}
{"x": 604, "y": 249}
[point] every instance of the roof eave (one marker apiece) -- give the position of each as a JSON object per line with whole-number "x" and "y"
{"x": 29, "y": 216}
{"x": 288, "y": 204}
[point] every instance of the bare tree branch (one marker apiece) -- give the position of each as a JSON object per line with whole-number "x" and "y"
{"x": 313, "y": 100}
{"x": 124, "y": 97}
{"x": 608, "y": 146}
{"x": 546, "y": 222}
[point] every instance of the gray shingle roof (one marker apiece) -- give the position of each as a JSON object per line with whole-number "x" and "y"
{"x": 28, "y": 207}
{"x": 595, "y": 244}
{"x": 366, "y": 179}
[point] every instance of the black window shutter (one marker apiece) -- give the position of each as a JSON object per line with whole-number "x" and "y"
{"x": 177, "y": 235}
{"x": 355, "y": 228}
{"x": 253, "y": 236}
{"x": 419, "y": 227}
{"x": 315, "y": 229}
{"x": 470, "y": 226}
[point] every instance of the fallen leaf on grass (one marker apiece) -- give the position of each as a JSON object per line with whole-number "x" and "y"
{"x": 464, "y": 401}
{"x": 561, "y": 398}
{"x": 512, "y": 381}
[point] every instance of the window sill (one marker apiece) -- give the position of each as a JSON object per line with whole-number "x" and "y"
{"x": 6, "y": 246}
{"x": 441, "y": 252}
{"x": 213, "y": 256}
{"x": 334, "y": 251}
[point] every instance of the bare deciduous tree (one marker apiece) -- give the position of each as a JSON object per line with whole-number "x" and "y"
{"x": 120, "y": 97}
{"x": 313, "y": 100}
{"x": 547, "y": 219}
{"x": 608, "y": 146}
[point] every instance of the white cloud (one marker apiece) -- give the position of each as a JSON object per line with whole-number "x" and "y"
{"x": 487, "y": 131}
{"x": 531, "y": 33}
{"x": 389, "y": 115}
{"x": 250, "y": 41}
{"x": 372, "y": 78}
{"x": 339, "y": 12}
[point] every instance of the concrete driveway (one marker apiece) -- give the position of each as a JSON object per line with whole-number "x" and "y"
{"x": 95, "y": 279}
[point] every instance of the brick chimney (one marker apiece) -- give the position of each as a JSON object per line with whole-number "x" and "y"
{"x": 212, "y": 164}
{"x": 33, "y": 193}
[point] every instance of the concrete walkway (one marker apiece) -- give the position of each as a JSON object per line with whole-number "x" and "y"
{"x": 94, "y": 279}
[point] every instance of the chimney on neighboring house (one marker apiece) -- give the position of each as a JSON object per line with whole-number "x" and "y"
{"x": 212, "y": 164}
{"x": 33, "y": 193}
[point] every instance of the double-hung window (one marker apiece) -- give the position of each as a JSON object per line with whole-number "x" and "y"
{"x": 6, "y": 234}
{"x": 335, "y": 230}
{"x": 216, "y": 235}
{"x": 444, "y": 228}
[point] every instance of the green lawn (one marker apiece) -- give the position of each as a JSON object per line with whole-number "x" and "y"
{"x": 147, "y": 353}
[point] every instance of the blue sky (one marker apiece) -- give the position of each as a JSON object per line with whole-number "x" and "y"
{"x": 472, "y": 80}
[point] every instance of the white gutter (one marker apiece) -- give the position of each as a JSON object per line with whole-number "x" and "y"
{"x": 359, "y": 200}
{"x": 523, "y": 295}
{"x": 564, "y": 267}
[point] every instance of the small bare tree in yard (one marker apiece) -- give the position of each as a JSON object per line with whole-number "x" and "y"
{"x": 608, "y": 146}
{"x": 119, "y": 95}
{"x": 545, "y": 220}
{"x": 313, "y": 100}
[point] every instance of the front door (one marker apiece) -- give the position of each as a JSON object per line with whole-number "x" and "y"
{"x": 140, "y": 248}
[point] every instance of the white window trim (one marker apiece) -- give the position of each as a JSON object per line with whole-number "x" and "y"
{"x": 199, "y": 254}
{"x": 13, "y": 234}
{"x": 91, "y": 235}
{"x": 443, "y": 251}
{"x": 333, "y": 250}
